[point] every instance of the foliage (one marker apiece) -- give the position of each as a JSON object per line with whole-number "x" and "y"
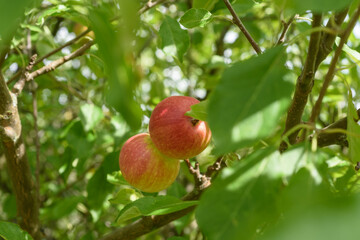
{"x": 142, "y": 51}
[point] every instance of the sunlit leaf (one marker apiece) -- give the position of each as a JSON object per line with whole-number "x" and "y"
{"x": 199, "y": 111}
{"x": 249, "y": 100}
{"x": 195, "y": 18}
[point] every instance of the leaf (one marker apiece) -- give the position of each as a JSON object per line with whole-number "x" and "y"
{"x": 174, "y": 40}
{"x": 300, "y": 6}
{"x": 11, "y": 231}
{"x": 245, "y": 198}
{"x": 195, "y": 18}
{"x": 62, "y": 208}
{"x": 116, "y": 178}
{"x": 98, "y": 187}
{"x": 353, "y": 54}
{"x": 10, "y": 14}
{"x": 249, "y": 100}
{"x": 116, "y": 50}
{"x": 125, "y": 196}
{"x": 207, "y": 4}
{"x": 199, "y": 111}
{"x": 90, "y": 116}
{"x": 147, "y": 206}
{"x": 354, "y": 128}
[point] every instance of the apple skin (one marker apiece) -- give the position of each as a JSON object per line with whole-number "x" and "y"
{"x": 144, "y": 167}
{"x": 173, "y": 133}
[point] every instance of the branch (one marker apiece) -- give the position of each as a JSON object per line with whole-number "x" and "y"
{"x": 63, "y": 46}
{"x": 303, "y": 86}
{"x": 325, "y": 138}
{"x": 17, "y": 162}
{"x": 55, "y": 64}
{"x": 331, "y": 72}
{"x": 149, "y": 5}
{"x": 19, "y": 85}
{"x": 285, "y": 29}
{"x": 241, "y": 26}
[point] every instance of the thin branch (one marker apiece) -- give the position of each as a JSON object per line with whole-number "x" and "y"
{"x": 325, "y": 138}
{"x": 303, "y": 86}
{"x": 63, "y": 46}
{"x": 286, "y": 26}
{"x": 55, "y": 64}
{"x": 241, "y": 26}
{"x": 331, "y": 72}
{"x": 201, "y": 181}
{"x": 149, "y": 5}
{"x": 19, "y": 85}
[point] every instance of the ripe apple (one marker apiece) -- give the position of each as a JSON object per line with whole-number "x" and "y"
{"x": 173, "y": 133}
{"x": 144, "y": 167}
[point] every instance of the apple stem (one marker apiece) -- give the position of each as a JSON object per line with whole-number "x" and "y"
{"x": 194, "y": 121}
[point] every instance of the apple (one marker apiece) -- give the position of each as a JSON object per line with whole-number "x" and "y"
{"x": 145, "y": 167}
{"x": 173, "y": 133}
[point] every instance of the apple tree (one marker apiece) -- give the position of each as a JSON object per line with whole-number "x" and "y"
{"x": 278, "y": 83}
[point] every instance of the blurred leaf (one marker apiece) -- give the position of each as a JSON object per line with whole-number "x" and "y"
{"x": 195, "y": 18}
{"x": 353, "y": 127}
{"x": 98, "y": 187}
{"x": 300, "y": 6}
{"x": 10, "y": 14}
{"x": 246, "y": 197}
{"x": 353, "y": 54}
{"x": 116, "y": 178}
{"x": 90, "y": 115}
{"x": 207, "y": 4}
{"x": 174, "y": 40}
{"x": 199, "y": 111}
{"x": 178, "y": 238}
{"x": 61, "y": 208}
{"x": 9, "y": 206}
{"x": 11, "y": 231}
{"x": 147, "y": 206}
{"x": 125, "y": 196}
{"x": 115, "y": 50}
{"x": 249, "y": 100}
{"x": 51, "y": 11}
{"x": 319, "y": 214}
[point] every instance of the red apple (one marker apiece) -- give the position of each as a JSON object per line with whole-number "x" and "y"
{"x": 173, "y": 133}
{"x": 144, "y": 167}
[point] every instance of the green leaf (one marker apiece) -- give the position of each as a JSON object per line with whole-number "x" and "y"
{"x": 245, "y": 198}
{"x": 353, "y": 54}
{"x": 174, "y": 40}
{"x": 147, "y": 206}
{"x": 195, "y": 18}
{"x": 300, "y": 6}
{"x": 207, "y": 4}
{"x": 125, "y": 196}
{"x": 11, "y": 231}
{"x": 115, "y": 49}
{"x": 199, "y": 111}
{"x": 249, "y": 100}
{"x": 62, "y": 208}
{"x": 116, "y": 178}
{"x": 10, "y": 14}
{"x": 90, "y": 116}
{"x": 98, "y": 187}
{"x": 354, "y": 128}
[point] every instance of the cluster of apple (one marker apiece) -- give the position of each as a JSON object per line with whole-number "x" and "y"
{"x": 151, "y": 161}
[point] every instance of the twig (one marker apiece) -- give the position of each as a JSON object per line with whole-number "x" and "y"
{"x": 19, "y": 85}
{"x": 325, "y": 138}
{"x": 331, "y": 72}
{"x": 285, "y": 29}
{"x": 303, "y": 86}
{"x": 201, "y": 181}
{"x": 55, "y": 64}
{"x": 216, "y": 167}
{"x": 241, "y": 26}
{"x": 149, "y": 5}
{"x": 63, "y": 46}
